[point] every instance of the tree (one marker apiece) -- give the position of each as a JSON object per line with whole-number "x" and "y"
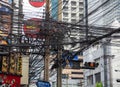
{"x": 99, "y": 84}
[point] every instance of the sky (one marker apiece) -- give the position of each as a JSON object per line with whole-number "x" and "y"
{"x": 32, "y": 12}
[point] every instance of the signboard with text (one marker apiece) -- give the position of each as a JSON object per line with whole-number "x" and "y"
{"x": 43, "y": 84}
{"x": 32, "y": 27}
{"x": 5, "y": 63}
{"x": 9, "y": 80}
{"x": 37, "y": 3}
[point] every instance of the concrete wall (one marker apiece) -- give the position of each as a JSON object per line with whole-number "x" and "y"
{"x": 115, "y": 65}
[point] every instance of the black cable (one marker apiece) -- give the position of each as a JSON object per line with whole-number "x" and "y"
{"x": 107, "y": 12}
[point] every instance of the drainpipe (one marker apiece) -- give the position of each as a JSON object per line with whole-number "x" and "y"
{"x": 105, "y": 64}
{"x": 110, "y": 71}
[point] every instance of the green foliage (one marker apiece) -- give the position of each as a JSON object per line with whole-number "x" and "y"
{"x": 99, "y": 84}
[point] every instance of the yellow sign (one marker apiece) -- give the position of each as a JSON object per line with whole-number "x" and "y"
{"x": 4, "y": 64}
{"x": 12, "y": 64}
{"x": 19, "y": 64}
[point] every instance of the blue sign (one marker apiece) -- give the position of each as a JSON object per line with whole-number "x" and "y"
{"x": 43, "y": 84}
{"x": 5, "y": 9}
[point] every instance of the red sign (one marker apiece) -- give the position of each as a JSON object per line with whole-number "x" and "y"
{"x": 32, "y": 27}
{"x": 37, "y": 3}
{"x": 10, "y": 80}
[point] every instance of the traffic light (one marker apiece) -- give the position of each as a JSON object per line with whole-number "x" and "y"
{"x": 118, "y": 80}
{"x": 90, "y": 65}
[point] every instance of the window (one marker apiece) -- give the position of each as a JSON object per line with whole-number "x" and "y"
{"x": 73, "y": 3}
{"x": 81, "y": 9}
{"x": 73, "y": 15}
{"x": 73, "y": 20}
{"x": 65, "y": 14}
{"x": 80, "y": 3}
{"x": 43, "y": 9}
{"x": 81, "y": 15}
{"x": 73, "y": 9}
{"x": 43, "y": 16}
{"x": 65, "y": 8}
{"x": 65, "y": 2}
{"x": 65, "y": 19}
{"x": 90, "y": 80}
{"x": 98, "y": 77}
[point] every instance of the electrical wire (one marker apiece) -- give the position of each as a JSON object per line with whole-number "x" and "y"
{"x": 105, "y": 13}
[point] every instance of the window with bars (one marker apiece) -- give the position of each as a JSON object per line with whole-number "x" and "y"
{"x": 98, "y": 77}
{"x": 65, "y": 14}
{"x": 90, "y": 80}
{"x": 73, "y": 15}
{"x": 73, "y": 3}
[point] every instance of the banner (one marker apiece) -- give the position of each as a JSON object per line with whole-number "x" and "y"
{"x": 12, "y": 64}
{"x": 5, "y": 25}
{"x": 5, "y": 64}
{"x": 9, "y": 80}
{"x": 19, "y": 64}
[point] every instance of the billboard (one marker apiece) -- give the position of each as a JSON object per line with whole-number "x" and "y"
{"x": 43, "y": 84}
{"x": 37, "y": 3}
{"x": 5, "y": 22}
{"x": 32, "y": 27}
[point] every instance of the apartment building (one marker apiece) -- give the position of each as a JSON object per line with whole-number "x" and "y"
{"x": 72, "y": 10}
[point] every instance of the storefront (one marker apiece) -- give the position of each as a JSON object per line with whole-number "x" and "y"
{"x": 10, "y": 69}
{"x": 10, "y": 62}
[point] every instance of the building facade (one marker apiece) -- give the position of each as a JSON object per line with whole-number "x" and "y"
{"x": 106, "y": 52}
{"x": 11, "y": 67}
{"x": 72, "y": 10}
{"x": 107, "y": 55}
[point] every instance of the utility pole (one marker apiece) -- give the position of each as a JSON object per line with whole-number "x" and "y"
{"x": 59, "y": 69}
{"x": 47, "y": 59}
